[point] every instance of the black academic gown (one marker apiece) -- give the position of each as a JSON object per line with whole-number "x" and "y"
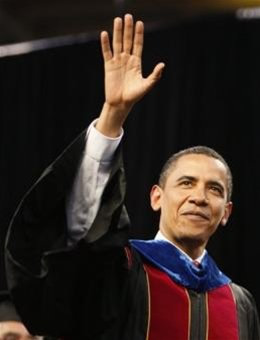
{"x": 93, "y": 290}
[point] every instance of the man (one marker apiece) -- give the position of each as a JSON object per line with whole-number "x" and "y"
{"x": 11, "y": 327}
{"x": 68, "y": 240}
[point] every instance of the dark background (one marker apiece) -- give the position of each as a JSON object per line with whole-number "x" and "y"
{"x": 209, "y": 94}
{"x": 24, "y": 20}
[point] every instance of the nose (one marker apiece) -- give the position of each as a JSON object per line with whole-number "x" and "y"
{"x": 199, "y": 197}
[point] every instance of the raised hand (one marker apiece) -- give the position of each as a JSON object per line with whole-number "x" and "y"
{"x": 124, "y": 82}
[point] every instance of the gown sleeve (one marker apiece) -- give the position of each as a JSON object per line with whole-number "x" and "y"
{"x": 247, "y": 313}
{"x": 62, "y": 290}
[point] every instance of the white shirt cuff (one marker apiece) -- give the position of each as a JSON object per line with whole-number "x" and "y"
{"x": 99, "y": 146}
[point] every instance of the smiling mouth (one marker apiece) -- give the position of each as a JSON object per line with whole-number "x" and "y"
{"x": 196, "y": 215}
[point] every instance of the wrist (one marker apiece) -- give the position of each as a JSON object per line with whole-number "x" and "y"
{"x": 119, "y": 110}
{"x": 111, "y": 119}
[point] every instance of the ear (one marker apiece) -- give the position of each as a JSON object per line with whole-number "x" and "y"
{"x": 227, "y": 213}
{"x": 155, "y": 197}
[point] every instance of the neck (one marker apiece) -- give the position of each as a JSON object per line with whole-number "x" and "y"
{"x": 192, "y": 248}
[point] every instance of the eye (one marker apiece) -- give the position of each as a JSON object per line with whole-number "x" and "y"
{"x": 186, "y": 183}
{"x": 216, "y": 189}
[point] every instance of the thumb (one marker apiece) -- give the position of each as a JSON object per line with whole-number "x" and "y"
{"x": 157, "y": 73}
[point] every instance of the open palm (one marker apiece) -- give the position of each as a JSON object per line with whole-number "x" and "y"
{"x": 124, "y": 83}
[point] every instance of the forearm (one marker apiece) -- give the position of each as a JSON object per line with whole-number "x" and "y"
{"x": 84, "y": 199}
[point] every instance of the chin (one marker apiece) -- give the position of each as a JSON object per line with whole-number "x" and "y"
{"x": 197, "y": 238}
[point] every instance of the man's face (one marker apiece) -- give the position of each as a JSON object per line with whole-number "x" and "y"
{"x": 14, "y": 330}
{"x": 193, "y": 201}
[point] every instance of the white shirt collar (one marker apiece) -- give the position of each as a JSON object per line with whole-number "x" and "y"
{"x": 160, "y": 236}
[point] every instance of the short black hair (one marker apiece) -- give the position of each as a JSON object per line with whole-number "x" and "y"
{"x": 199, "y": 150}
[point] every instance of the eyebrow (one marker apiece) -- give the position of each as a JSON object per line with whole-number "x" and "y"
{"x": 217, "y": 184}
{"x": 10, "y": 334}
{"x": 17, "y": 336}
{"x": 185, "y": 177}
{"x": 194, "y": 179}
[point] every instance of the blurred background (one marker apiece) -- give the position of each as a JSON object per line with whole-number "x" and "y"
{"x": 29, "y": 20}
{"x": 51, "y": 87}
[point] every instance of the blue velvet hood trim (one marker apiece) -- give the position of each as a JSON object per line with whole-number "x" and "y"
{"x": 180, "y": 269}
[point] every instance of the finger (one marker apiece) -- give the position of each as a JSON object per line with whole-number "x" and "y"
{"x": 105, "y": 45}
{"x": 128, "y": 33}
{"x": 117, "y": 36}
{"x": 138, "y": 39}
{"x": 156, "y": 74}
